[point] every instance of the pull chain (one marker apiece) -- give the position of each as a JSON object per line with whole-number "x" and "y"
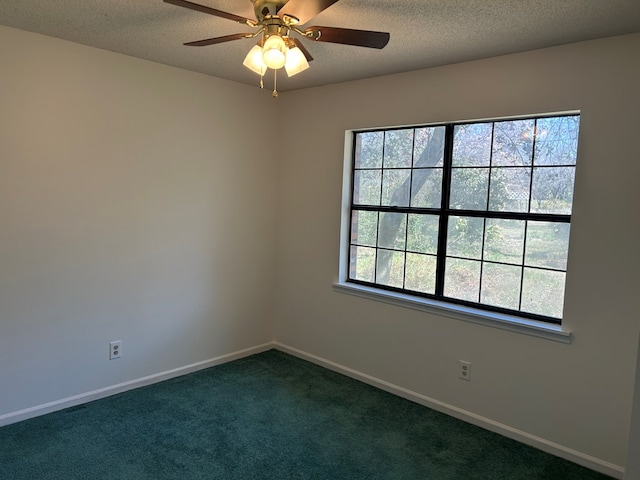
{"x": 274, "y": 94}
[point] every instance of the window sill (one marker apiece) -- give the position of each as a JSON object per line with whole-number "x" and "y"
{"x": 505, "y": 322}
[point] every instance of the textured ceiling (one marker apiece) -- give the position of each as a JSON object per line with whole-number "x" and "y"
{"x": 424, "y": 33}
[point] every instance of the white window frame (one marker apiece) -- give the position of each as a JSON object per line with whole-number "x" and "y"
{"x": 513, "y": 323}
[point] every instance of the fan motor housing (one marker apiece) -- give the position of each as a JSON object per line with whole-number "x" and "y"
{"x": 265, "y": 9}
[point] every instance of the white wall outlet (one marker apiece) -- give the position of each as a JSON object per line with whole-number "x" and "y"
{"x": 115, "y": 349}
{"x": 464, "y": 370}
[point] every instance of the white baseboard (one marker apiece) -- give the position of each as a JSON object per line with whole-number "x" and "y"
{"x": 45, "y": 408}
{"x": 561, "y": 451}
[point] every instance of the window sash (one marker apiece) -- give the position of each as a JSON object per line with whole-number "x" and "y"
{"x": 445, "y": 213}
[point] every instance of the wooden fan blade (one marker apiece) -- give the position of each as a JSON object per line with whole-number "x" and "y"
{"x": 347, "y": 36}
{"x": 304, "y": 10}
{"x": 211, "y": 11}
{"x": 304, "y": 51}
{"x": 213, "y": 41}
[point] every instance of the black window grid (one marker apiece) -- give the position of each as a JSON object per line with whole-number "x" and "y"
{"x": 444, "y": 213}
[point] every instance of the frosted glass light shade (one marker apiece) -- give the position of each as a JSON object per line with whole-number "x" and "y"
{"x": 296, "y": 62}
{"x": 253, "y": 60}
{"x": 274, "y": 52}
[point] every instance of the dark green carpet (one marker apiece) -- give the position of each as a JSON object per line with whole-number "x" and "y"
{"x": 269, "y": 416}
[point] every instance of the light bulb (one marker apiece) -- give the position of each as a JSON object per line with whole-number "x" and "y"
{"x": 253, "y": 60}
{"x": 274, "y": 52}
{"x": 296, "y": 62}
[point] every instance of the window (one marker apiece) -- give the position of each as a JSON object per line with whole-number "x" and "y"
{"x": 476, "y": 214}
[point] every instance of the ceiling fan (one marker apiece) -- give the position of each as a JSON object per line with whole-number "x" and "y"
{"x": 276, "y": 21}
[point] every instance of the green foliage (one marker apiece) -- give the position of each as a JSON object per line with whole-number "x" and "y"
{"x": 398, "y": 148}
{"x": 464, "y": 237}
{"x": 369, "y": 147}
{"x": 469, "y": 188}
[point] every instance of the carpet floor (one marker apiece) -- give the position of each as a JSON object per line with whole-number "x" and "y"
{"x": 268, "y": 416}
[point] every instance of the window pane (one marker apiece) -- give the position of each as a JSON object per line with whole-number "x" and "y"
{"x": 547, "y": 245}
{"x": 398, "y": 148}
{"x": 543, "y": 292}
{"x": 501, "y": 285}
{"x": 393, "y": 230}
{"x": 504, "y": 241}
{"x": 513, "y": 143}
{"x": 472, "y": 145}
{"x": 420, "y": 273}
{"x": 364, "y": 228}
{"x": 552, "y": 190}
{"x": 557, "y": 141}
{"x": 462, "y": 279}
{"x": 369, "y": 150}
{"x": 509, "y": 189}
{"x": 426, "y": 188}
{"x": 464, "y": 237}
{"x": 395, "y": 187}
{"x": 428, "y": 147}
{"x": 362, "y": 263}
{"x": 390, "y": 268}
{"x": 469, "y": 188}
{"x": 366, "y": 187}
{"x": 422, "y": 233}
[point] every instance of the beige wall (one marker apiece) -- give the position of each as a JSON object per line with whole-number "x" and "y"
{"x": 577, "y": 396}
{"x": 133, "y": 206}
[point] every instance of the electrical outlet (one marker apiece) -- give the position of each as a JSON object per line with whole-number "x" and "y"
{"x": 115, "y": 349}
{"x": 464, "y": 371}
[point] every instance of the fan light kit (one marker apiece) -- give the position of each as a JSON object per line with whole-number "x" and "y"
{"x": 276, "y": 21}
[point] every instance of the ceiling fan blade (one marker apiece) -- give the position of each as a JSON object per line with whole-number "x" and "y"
{"x": 347, "y": 36}
{"x": 213, "y": 41}
{"x": 211, "y": 11}
{"x": 304, "y": 10}
{"x": 304, "y": 51}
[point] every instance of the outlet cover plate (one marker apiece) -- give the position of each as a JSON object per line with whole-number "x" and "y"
{"x": 115, "y": 349}
{"x": 464, "y": 370}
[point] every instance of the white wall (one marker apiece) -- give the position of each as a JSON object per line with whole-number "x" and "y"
{"x": 577, "y": 396}
{"x": 133, "y": 206}
{"x": 632, "y": 470}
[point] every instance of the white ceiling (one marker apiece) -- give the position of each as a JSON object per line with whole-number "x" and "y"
{"x": 424, "y": 33}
